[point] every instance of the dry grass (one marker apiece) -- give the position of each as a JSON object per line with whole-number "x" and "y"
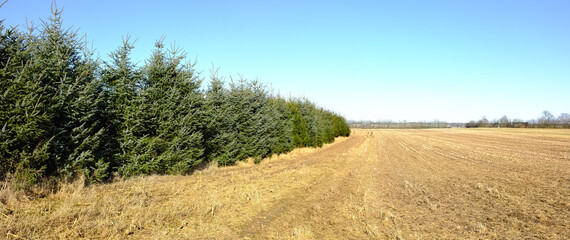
{"x": 394, "y": 184}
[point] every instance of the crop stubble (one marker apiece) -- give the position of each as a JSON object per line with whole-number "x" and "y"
{"x": 444, "y": 183}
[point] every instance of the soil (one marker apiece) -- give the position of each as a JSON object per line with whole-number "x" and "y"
{"x": 375, "y": 184}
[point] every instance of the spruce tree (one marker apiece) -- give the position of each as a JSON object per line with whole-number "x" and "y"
{"x": 282, "y": 134}
{"x": 62, "y": 115}
{"x": 63, "y": 67}
{"x": 122, "y": 79}
{"x": 23, "y": 142}
{"x": 54, "y": 102}
{"x": 169, "y": 126}
{"x": 300, "y": 128}
{"x": 215, "y": 118}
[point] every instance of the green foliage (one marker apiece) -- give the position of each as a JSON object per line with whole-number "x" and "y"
{"x": 312, "y": 126}
{"x": 282, "y": 137}
{"x": 53, "y": 102}
{"x": 163, "y": 131}
{"x": 72, "y": 95}
{"x": 21, "y": 135}
{"x": 24, "y": 178}
{"x": 300, "y": 131}
{"x": 245, "y": 121}
{"x": 63, "y": 114}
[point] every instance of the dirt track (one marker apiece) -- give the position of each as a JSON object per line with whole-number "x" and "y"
{"x": 434, "y": 184}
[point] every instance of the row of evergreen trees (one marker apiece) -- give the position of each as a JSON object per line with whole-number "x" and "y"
{"x": 62, "y": 113}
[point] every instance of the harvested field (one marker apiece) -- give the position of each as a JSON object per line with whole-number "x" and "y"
{"x": 375, "y": 184}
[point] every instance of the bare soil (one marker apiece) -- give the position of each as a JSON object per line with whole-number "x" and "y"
{"x": 375, "y": 184}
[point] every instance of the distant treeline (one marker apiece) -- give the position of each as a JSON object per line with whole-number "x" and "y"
{"x": 401, "y": 124}
{"x": 547, "y": 120}
{"x": 64, "y": 114}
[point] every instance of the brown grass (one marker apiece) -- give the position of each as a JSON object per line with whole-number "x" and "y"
{"x": 395, "y": 184}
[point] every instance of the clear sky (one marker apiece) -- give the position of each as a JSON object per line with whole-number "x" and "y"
{"x": 366, "y": 60}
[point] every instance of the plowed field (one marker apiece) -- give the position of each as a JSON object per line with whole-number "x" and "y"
{"x": 375, "y": 184}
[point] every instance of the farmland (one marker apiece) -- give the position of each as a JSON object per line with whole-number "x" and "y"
{"x": 431, "y": 183}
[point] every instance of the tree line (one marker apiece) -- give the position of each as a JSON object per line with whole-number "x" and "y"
{"x": 547, "y": 120}
{"x": 387, "y": 124}
{"x": 64, "y": 113}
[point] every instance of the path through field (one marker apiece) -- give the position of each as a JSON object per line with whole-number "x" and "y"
{"x": 376, "y": 184}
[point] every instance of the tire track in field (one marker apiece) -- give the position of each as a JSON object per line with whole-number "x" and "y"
{"x": 422, "y": 184}
{"x": 320, "y": 203}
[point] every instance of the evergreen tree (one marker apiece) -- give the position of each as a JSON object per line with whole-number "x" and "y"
{"x": 62, "y": 115}
{"x": 63, "y": 67}
{"x": 168, "y": 128}
{"x": 216, "y": 119}
{"x": 300, "y": 134}
{"x": 282, "y": 136}
{"x": 23, "y": 145}
{"x": 58, "y": 103}
{"x": 122, "y": 81}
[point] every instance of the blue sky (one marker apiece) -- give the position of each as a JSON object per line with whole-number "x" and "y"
{"x": 366, "y": 60}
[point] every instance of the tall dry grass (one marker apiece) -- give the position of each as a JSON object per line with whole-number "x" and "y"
{"x": 211, "y": 203}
